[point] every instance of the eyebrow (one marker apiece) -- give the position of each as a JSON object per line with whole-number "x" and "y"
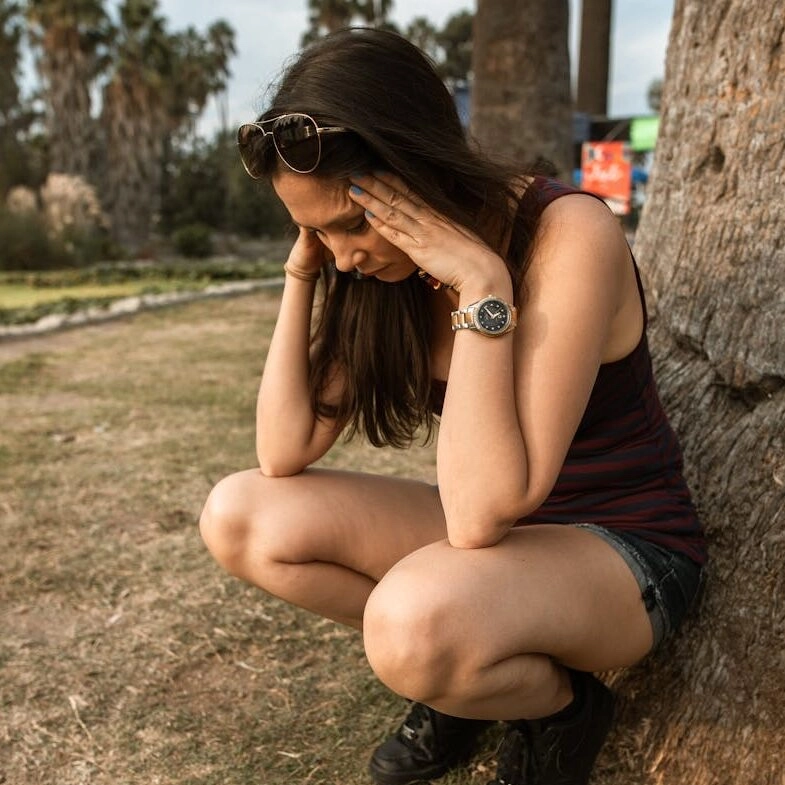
{"x": 336, "y": 222}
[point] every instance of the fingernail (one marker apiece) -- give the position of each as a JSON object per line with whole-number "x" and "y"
{"x": 356, "y": 190}
{"x": 369, "y": 214}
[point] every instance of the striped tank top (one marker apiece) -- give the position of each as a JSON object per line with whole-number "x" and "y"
{"x": 623, "y": 470}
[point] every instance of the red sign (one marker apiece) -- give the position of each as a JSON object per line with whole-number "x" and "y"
{"x": 606, "y": 170}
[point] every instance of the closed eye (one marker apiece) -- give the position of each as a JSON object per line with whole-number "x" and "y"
{"x": 359, "y": 227}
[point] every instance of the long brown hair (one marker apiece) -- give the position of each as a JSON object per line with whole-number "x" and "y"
{"x": 403, "y": 120}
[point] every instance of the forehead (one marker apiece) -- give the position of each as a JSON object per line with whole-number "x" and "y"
{"x": 313, "y": 201}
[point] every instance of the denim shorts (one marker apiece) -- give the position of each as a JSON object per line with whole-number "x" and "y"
{"x": 670, "y": 582}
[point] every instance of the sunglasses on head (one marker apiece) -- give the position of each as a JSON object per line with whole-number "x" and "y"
{"x": 297, "y": 138}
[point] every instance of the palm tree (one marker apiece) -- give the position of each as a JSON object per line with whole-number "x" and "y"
{"x": 70, "y": 37}
{"x": 221, "y": 49}
{"x": 327, "y": 16}
{"x": 198, "y": 69}
{"x": 374, "y": 13}
{"x": 521, "y": 102}
{"x": 424, "y": 35}
{"x": 592, "y": 95}
{"x": 134, "y": 121}
{"x": 160, "y": 84}
{"x": 455, "y": 41}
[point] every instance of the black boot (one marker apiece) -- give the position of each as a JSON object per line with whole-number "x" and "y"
{"x": 561, "y": 749}
{"x": 426, "y": 746}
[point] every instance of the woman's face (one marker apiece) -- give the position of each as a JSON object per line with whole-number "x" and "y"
{"x": 324, "y": 207}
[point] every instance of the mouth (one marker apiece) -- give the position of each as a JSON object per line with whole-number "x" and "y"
{"x": 362, "y": 274}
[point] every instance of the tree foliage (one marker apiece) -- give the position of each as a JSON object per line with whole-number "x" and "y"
{"x": 450, "y": 48}
{"x": 12, "y": 115}
{"x": 153, "y": 84}
{"x": 327, "y": 16}
{"x": 10, "y": 40}
{"x": 70, "y": 39}
{"x": 138, "y": 145}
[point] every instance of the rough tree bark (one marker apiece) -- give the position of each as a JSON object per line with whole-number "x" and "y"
{"x": 709, "y": 708}
{"x": 67, "y": 73}
{"x": 134, "y": 125}
{"x": 521, "y": 101}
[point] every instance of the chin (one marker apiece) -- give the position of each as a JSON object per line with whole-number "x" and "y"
{"x": 395, "y": 273}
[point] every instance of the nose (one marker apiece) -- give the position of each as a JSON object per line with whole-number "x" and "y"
{"x": 348, "y": 256}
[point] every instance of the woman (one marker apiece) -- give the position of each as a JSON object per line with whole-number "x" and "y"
{"x": 561, "y": 539}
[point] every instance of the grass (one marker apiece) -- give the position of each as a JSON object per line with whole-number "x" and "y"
{"x": 27, "y": 296}
{"x": 14, "y": 296}
{"x": 127, "y": 656}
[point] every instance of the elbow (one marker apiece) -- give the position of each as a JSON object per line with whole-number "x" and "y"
{"x": 485, "y": 526}
{"x": 469, "y": 532}
{"x": 475, "y": 540}
{"x": 279, "y": 467}
{"x": 277, "y": 462}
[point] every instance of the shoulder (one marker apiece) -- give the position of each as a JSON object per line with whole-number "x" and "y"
{"x": 579, "y": 218}
{"x": 579, "y": 249}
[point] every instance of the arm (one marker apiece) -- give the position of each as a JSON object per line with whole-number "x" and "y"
{"x": 289, "y": 436}
{"x": 513, "y": 403}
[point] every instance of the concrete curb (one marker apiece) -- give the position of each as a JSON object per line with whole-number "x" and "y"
{"x": 127, "y": 306}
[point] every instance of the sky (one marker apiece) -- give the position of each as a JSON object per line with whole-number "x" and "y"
{"x": 268, "y": 33}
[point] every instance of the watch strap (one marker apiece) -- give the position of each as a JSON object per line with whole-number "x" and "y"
{"x": 463, "y": 319}
{"x": 466, "y": 318}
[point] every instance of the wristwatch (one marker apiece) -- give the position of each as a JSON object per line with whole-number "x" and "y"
{"x": 489, "y": 316}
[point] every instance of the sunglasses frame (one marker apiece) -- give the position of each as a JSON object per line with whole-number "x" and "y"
{"x": 260, "y": 126}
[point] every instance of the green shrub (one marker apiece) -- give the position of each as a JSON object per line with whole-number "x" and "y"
{"x": 88, "y": 245}
{"x": 193, "y": 241}
{"x": 26, "y": 245}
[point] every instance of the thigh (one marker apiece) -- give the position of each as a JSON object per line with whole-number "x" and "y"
{"x": 361, "y": 521}
{"x": 548, "y": 589}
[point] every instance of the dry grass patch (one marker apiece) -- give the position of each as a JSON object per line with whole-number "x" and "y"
{"x": 127, "y": 656}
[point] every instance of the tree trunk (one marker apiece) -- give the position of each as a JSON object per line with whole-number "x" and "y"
{"x": 67, "y": 73}
{"x": 133, "y": 121}
{"x": 594, "y": 57}
{"x": 521, "y": 102}
{"x": 709, "y": 708}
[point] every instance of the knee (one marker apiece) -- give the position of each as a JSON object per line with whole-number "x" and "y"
{"x": 224, "y": 524}
{"x": 412, "y": 642}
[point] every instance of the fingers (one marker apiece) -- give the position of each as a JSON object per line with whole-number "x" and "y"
{"x": 397, "y": 188}
{"x": 391, "y": 191}
{"x": 308, "y": 252}
{"x": 387, "y": 210}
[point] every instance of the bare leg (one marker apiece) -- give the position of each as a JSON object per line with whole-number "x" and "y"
{"x": 486, "y": 633}
{"x": 322, "y": 539}
{"x": 482, "y": 633}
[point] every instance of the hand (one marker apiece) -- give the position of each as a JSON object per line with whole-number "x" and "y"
{"x": 447, "y": 251}
{"x": 308, "y": 254}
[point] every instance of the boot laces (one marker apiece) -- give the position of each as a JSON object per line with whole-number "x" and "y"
{"x": 409, "y": 731}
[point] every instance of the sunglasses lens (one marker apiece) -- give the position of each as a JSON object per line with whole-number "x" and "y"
{"x": 254, "y": 145}
{"x": 296, "y": 138}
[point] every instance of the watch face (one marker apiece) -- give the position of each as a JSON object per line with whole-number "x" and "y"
{"x": 492, "y": 316}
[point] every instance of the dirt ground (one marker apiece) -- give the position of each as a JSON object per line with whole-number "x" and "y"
{"x": 126, "y": 655}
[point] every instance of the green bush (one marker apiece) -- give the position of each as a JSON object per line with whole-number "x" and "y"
{"x": 193, "y": 241}
{"x": 87, "y": 246}
{"x": 26, "y": 245}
